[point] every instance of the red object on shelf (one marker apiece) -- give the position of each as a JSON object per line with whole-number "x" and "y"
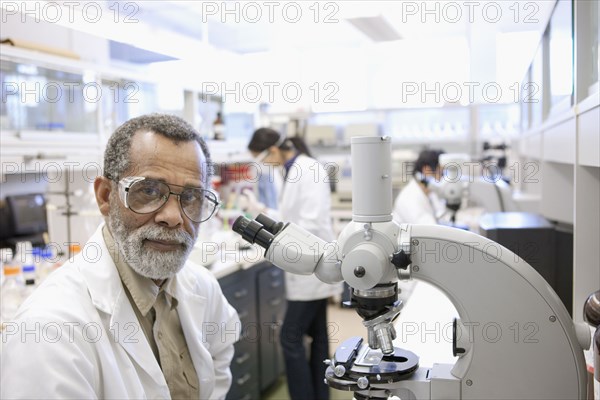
{"x": 235, "y": 173}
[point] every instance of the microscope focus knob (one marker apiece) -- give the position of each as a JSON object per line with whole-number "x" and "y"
{"x": 401, "y": 260}
{"x": 591, "y": 309}
{"x": 339, "y": 370}
{"x": 362, "y": 382}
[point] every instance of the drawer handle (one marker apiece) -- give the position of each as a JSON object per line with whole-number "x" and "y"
{"x": 240, "y": 293}
{"x": 275, "y": 284}
{"x": 243, "y": 314}
{"x": 275, "y": 302}
{"x": 243, "y": 358}
{"x": 275, "y": 273}
{"x": 241, "y": 381}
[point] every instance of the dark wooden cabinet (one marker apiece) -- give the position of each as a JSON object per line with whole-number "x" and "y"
{"x": 258, "y": 295}
{"x": 271, "y": 310}
{"x": 240, "y": 290}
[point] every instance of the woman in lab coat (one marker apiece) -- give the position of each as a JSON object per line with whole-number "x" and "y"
{"x": 305, "y": 200}
{"x": 416, "y": 204}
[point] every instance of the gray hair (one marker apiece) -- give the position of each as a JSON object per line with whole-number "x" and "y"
{"x": 117, "y": 157}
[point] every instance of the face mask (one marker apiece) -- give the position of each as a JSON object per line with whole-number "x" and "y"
{"x": 260, "y": 158}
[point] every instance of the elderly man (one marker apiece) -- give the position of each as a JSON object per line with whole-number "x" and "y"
{"x": 130, "y": 318}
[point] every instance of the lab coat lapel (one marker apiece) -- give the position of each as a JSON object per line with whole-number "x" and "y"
{"x": 192, "y": 309}
{"x": 107, "y": 294}
{"x": 126, "y": 331}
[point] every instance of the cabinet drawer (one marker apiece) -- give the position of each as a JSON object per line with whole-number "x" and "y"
{"x": 275, "y": 273}
{"x": 272, "y": 308}
{"x": 271, "y": 282}
{"x": 240, "y": 294}
{"x": 253, "y": 394}
{"x": 244, "y": 385}
{"x": 246, "y": 355}
{"x": 239, "y": 289}
{"x": 242, "y": 361}
{"x": 247, "y": 314}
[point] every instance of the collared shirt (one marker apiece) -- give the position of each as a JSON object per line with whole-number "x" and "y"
{"x": 288, "y": 164}
{"x": 156, "y": 310}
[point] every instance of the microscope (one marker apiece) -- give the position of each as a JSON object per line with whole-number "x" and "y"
{"x": 458, "y": 186}
{"x": 514, "y": 339}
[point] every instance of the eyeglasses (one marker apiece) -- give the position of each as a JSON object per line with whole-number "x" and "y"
{"x": 144, "y": 196}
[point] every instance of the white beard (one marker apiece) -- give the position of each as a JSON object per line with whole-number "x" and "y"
{"x": 144, "y": 260}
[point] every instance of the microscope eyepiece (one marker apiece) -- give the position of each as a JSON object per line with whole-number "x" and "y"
{"x": 269, "y": 224}
{"x": 253, "y": 231}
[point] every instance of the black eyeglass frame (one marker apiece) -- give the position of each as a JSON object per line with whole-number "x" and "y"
{"x": 126, "y": 183}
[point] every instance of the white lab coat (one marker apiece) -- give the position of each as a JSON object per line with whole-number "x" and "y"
{"x": 77, "y": 336}
{"x": 305, "y": 200}
{"x": 413, "y": 206}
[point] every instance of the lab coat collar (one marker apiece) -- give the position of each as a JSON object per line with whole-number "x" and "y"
{"x": 101, "y": 275}
{"x": 107, "y": 295}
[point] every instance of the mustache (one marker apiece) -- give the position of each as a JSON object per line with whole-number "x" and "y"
{"x": 159, "y": 233}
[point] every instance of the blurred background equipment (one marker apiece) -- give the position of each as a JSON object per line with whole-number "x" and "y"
{"x": 24, "y": 219}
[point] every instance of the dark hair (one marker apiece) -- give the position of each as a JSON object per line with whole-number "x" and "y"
{"x": 263, "y": 138}
{"x": 427, "y": 158}
{"x": 300, "y": 145}
{"x": 117, "y": 157}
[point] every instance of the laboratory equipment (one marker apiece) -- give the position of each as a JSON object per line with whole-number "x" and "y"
{"x": 514, "y": 339}
{"x": 28, "y": 280}
{"x": 219, "y": 127}
{"x": 461, "y": 187}
{"x": 451, "y": 190}
{"x": 493, "y": 195}
{"x": 27, "y": 218}
{"x": 494, "y": 159}
{"x": 11, "y": 292}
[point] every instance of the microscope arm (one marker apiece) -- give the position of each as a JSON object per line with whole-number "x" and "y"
{"x": 514, "y": 337}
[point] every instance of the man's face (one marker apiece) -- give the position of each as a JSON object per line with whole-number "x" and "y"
{"x": 156, "y": 245}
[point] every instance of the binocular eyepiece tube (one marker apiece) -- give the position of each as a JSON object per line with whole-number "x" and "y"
{"x": 261, "y": 230}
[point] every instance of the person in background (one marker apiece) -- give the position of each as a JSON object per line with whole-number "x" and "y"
{"x": 270, "y": 179}
{"x": 219, "y": 127}
{"x": 305, "y": 200}
{"x": 416, "y": 204}
{"x": 127, "y": 318}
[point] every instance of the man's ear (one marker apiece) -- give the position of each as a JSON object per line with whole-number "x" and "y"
{"x": 103, "y": 188}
